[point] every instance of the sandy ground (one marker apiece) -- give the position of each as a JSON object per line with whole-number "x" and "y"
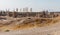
{"x": 48, "y": 30}
{"x": 53, "y": 29}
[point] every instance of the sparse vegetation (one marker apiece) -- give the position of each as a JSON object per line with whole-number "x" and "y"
{"x": 6, "y": 30}
{"x": 29, "y": 23}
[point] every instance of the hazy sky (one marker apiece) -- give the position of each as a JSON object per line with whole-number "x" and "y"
{"x": 37, "y": 5}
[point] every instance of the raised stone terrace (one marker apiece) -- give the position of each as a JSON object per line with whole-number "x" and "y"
{"x": 43, "y": 14}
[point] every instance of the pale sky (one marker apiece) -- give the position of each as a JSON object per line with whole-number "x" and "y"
{"x": 37, "y": 5}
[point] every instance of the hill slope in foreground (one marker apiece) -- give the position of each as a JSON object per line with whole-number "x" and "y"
{"x": 26, "y": 23}
{"x": 29, "y": 25}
